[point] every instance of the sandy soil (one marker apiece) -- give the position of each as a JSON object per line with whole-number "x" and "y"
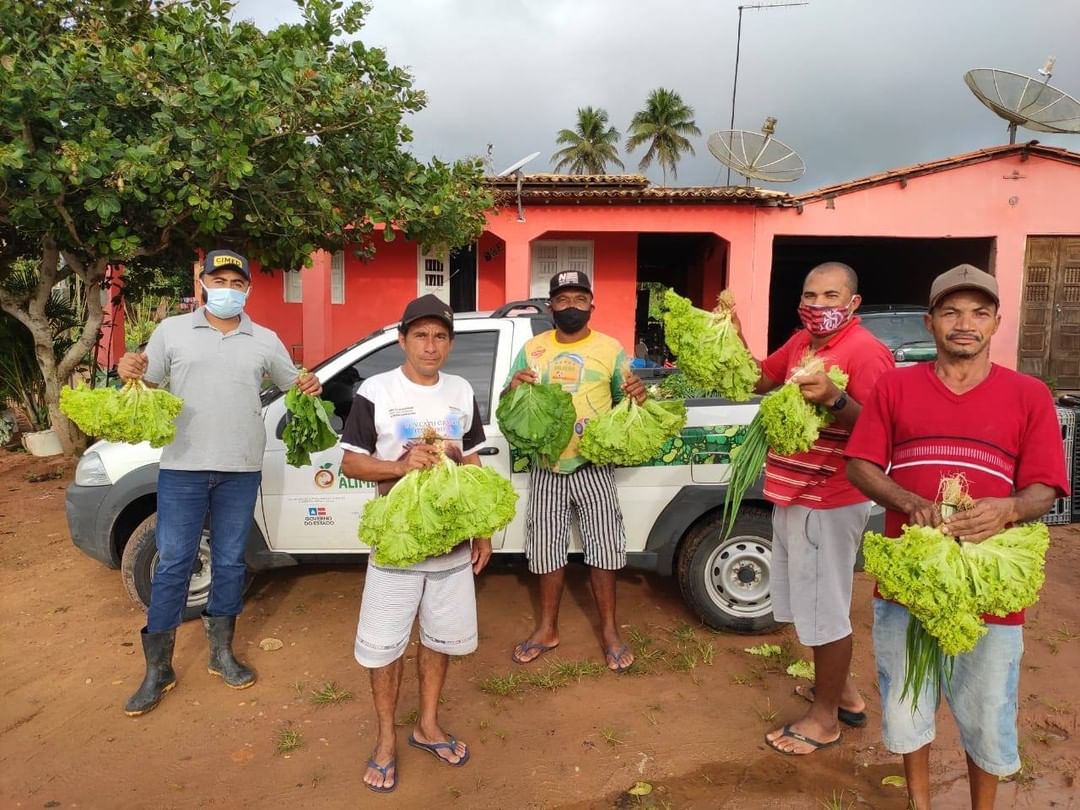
{"x": 690, "y": 724}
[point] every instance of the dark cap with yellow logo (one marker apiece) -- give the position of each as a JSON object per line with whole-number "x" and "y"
{"x": 226, "y": 260}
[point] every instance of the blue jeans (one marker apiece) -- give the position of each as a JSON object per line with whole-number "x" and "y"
{"x": 183, "y": 499}
{"x": 983, "y": 694}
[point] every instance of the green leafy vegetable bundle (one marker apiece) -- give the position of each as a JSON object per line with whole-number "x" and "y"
{"x": 947, "y": 587}
{"x": 430, "y": 511}
{"x": 631, "y": 434}
{"x": 785, "y": 423}
{"x": 710, "y": 352}
{"x": 538, "y": 419}
{"x": 308, "y": 430}
{"x": 135, "y": 413}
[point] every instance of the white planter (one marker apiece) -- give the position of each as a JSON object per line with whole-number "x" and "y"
{"x": 42, "y": 443}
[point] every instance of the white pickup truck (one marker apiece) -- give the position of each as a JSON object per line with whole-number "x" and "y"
{"x": 671, "y": 506}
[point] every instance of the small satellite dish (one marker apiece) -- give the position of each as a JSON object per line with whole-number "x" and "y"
{"x": 515, "y": 170}
{"x": 757, "y": 155}
{"x": 1024, "y": 101}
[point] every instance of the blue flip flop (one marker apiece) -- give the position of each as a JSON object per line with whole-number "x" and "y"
{"x": 612, "y": 655}
{"x": 371, "y": 763}
{"x": 527, "y": 647}
{"x": 434, "y": 748}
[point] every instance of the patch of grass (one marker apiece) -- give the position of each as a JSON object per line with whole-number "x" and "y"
{"x": 638, "y": 639}
{"x": 838, "y": 801}
{"x": 767, "y": 713}
{"x": 742, "y": 679}
{"x": 329, "y": 694}
{"x": 611, "y": 736}
{"x": 408, "y": 719}
{"x": 706, "y": 651}
{"x": 300, "y": 689}
{"x": 683, "y": 633}
{"x": 576, "y": 670}
{"x": 54, "y": 474}
{"x": 546, "y": 680}
{"x": 502, "y": 685}
{"x": 684, "y": 662}
{"x": 299, "y": 608}
{"x": 1064, "y": 634}
{"x": 1029, "y": 768}
{"x": 287, "y": 739}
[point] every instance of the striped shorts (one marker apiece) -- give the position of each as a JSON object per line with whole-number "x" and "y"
{"x": 590, "y": 492}
{"x": 445, "y": 601}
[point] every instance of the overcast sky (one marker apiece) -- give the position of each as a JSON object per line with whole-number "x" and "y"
{"x": 858, "y": 86}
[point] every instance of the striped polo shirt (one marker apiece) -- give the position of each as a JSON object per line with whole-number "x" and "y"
{"x": 817, "y": 479}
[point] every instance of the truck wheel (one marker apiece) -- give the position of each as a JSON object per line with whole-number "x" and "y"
{"x": 726, "y": 582}
{"x": 139, "y": 562}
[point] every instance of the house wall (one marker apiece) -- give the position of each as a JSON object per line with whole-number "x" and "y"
{"x": 490, "y": 273}
{"x": 977, "y": 200}
{"x": 266, "y": 306}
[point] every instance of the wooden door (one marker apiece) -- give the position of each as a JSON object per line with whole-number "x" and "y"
{"x": 1050, "y": 317}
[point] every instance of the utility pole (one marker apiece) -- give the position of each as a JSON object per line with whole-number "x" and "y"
{"x": 738, "y": 45}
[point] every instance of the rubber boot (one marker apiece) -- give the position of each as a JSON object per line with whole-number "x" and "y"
{"x": 159, "y": 678}
{"x": 219, "y": 632}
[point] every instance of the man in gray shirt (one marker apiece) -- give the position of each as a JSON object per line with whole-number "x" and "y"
{"x": 214, "y": 359}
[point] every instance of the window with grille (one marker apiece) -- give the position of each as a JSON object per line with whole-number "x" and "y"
{"x": 294, "y": 287}
{"x": 433, "y": 273}
{"x": 552, "y": 256}
{"x": 337, "y": 278}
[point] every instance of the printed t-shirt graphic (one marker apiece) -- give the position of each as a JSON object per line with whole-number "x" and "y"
{"x": 590, "y": 370}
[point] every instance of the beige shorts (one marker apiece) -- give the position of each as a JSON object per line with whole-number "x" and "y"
{"x": 813, "y": 565}
{"x": 445, "y": 601}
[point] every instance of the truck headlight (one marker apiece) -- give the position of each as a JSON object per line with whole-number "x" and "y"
{"x": 899, "y": 355}
{"x": 90, "y": 472}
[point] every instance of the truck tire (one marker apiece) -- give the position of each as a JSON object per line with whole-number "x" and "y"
{"x": 726, "y": 582}
{"x": 140, "y": 560}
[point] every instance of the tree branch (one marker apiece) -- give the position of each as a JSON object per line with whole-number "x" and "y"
{"x": 58, "y": 204}
{"x": 94, "y": 317}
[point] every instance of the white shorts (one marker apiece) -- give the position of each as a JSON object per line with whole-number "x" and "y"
{"x": 445, "y": 601}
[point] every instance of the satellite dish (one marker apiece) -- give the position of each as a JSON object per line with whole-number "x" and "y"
{"x": 515, "y": 170}
{"x": 1024, "y": 101}
{"x": 757, "y": 155}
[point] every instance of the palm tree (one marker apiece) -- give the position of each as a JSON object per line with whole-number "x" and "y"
{"x": 590, "y": 146}
{"x": 663, "y": 124}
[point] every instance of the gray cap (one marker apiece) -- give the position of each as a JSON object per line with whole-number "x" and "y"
{"x": 963, "y": 277}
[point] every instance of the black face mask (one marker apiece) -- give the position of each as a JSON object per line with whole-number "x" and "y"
{"x": 571, "y": 320}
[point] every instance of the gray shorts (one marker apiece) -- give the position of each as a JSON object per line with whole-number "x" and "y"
{"x": 813, "y": 564}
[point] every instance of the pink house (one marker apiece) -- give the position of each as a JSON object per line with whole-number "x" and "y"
{"x": 1010, "y": 209}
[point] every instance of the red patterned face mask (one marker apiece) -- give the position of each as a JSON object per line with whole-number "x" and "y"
{"x": 821, "y": 321}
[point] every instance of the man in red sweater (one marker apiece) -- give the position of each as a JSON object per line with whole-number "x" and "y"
{"x": 963, "y": 414}
{"x": 818, "y": 516}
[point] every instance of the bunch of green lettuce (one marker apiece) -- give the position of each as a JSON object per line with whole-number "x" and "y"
{"x": 428, "y": 512}
{"x": 538, "y": 419}
{"x": 791, "y": 423}
{"x": 710, "y": 352}
{"x": 308, "y": 429}
{"x": 631, "y": 434}
{"x": 948, "y": 586}
{"x": 676, "y": 386}
{"x": 132, "y": 414}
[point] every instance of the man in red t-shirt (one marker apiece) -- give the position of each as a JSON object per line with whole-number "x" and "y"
{"x": 818, "y": 516}
{"x": 960, "y": 414}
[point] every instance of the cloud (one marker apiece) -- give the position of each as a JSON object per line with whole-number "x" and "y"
{"x": 858, "y": 86}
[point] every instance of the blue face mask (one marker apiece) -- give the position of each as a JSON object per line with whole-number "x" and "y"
{"x": 223, "y": 302}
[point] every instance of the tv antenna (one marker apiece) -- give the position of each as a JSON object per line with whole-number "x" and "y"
{"x": 1025, "y": 101}
{"x": 757, "y": 155}
{"x": 515, "y": 169}
{"x": 738, "y": 45}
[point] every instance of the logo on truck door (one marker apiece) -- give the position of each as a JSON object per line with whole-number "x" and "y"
{"x": 327, "y": 478}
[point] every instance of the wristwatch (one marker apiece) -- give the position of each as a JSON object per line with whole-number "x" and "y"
{"x": 840, "y": 404}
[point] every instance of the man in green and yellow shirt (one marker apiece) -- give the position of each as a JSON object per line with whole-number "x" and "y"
{"x": 593, "y": 368}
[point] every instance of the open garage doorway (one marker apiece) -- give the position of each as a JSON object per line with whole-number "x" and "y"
{"x": 892, "y": 271}
{"x": 692, "y": 264}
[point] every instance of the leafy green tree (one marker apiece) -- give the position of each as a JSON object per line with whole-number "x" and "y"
{"x": 142, "y": 130}
{"x": 663, "y": 125}
{"x": 590, "y": 146}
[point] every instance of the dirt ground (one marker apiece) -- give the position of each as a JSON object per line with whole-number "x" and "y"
{"x": 690, "y": 724}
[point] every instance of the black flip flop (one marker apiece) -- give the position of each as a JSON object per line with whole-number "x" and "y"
{"x": 845, "y": 716}
{"x": 816, "y": 745}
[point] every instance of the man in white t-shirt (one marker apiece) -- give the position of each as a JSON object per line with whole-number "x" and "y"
{"x": 382, "y": 442}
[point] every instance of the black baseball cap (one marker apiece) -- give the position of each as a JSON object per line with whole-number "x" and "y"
{"x": 569, "y": 279}
{"x": 427, "y": 306}
{"x": 226, "y": 260}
